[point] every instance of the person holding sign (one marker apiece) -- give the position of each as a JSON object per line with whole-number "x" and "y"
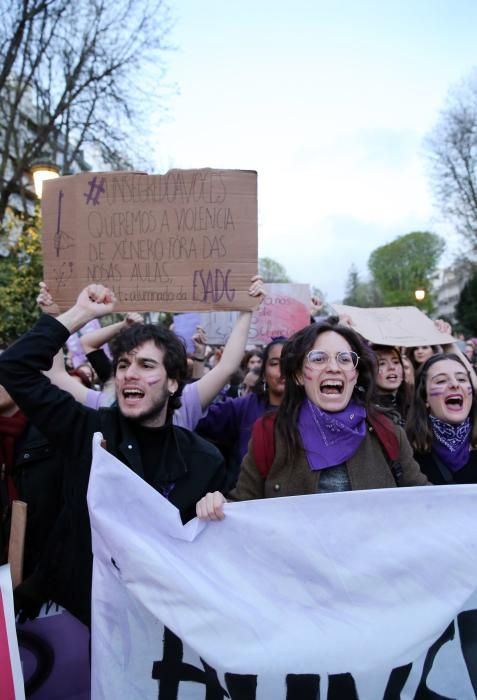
{"x": 195, "y": 397}
{"x": 149, "y": 362}
{"x": 327, "y": 436}
{"x": 442, "y": 424}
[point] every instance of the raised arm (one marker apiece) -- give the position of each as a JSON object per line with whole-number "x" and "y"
{"x": 55, "y": 412}
{"x": 94, "y": 301}
{"x": 210, "y": 384}
{"x": 58, "y": 374}
{"x": 96, "y": 339}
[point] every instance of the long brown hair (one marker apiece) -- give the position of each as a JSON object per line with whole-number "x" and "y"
{"x": 419, "y": 427}
{"x": 293, "y": 355}
{"x": 404, "y": 391}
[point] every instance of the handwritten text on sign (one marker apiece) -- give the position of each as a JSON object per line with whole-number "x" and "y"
{"x": 183, "y": 241}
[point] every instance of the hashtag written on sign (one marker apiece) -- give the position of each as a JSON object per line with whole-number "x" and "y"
{"x": 95, "y": 189}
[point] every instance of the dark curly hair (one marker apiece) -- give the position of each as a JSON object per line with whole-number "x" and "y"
{"x": 419, "y": 427}
{"x": 175, "y": 358}
{"x": 293, "y": 355}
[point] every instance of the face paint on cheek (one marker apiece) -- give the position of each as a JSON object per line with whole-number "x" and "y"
{"x": 308, "y": 374}
{"x": 153, "y": 381}
{"x": 436, "y": 392}
{"x": 469, "y": 390}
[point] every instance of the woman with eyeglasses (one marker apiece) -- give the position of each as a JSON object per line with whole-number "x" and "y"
{"x": 328, "y": 435}
{"x": 442, "y": 424}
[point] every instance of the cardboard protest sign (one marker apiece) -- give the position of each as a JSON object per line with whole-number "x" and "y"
{"x": 11, "y": 678}
{"x": 404, "y": 326}
{"x": 183, "y": 241}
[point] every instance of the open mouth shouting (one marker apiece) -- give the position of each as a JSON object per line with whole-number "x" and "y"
{"x": 449, "y": 391}
{"x": 329, "y": 383}
{"x": 331, "y": 387}
{"x": 454, "y": 402}
{"x": 132, "y": 395}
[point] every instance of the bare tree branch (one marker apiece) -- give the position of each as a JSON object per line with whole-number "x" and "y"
{"x": 72, "y": 76}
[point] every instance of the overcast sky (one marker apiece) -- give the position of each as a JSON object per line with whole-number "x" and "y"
{"x": 329, "y": 101}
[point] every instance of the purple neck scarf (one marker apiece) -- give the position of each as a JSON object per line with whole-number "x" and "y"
{"x": 451, "y": 443}
{"x": 330, "y": 439}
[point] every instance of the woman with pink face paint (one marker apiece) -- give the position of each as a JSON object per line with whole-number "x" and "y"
{"x": 442, "y": 424}
{"x": 328, "y": 435}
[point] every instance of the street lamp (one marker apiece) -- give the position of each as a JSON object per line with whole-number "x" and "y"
{"x": 420, "y": 294}
{"x": 42, "y": 171}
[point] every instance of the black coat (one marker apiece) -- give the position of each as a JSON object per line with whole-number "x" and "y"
{"x": 38, "y": 475}
{"x": 437, "y": 476}
{"x": 188, "y": 462}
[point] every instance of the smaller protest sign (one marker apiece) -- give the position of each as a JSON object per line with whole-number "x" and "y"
{"x": 11, "y": 678}
{"x": 284, "y": 311}
{"x": 185, "y": 325}
{"x": 404, "y": 326}
{"x": 218, "y": 325}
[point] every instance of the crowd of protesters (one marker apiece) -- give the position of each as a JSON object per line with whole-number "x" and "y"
{"x": 322, "y": 411}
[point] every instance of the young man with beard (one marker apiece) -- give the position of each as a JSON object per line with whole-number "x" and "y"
{"x": 149, "y": 364}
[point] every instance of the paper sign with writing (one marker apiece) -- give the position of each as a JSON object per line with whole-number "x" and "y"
{"x": 185, "y": 325}
{"x": 218, "y": 325}
{"x": 183, "y": 241}
{"x": 405, "y": 326}
{"x": 284, "y": 311}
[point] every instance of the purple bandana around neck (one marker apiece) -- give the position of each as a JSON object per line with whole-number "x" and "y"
{"x": 451, "y": 443}
{"x": 330, "y": 439}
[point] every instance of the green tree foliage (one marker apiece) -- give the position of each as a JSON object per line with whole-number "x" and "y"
{"x": 405, "y": 264}
{"x": 272, "y": 271}
{"x": 359, "y": 293}
{"x": 20, "y": 272}
{"x": 466, "y": 309}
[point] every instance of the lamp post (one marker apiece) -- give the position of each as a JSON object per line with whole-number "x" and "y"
{"x": 420, "y": 294}
{"x": 42, "y": 171}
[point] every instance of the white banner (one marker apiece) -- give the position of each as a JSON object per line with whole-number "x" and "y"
{"x": 359, "y": 595}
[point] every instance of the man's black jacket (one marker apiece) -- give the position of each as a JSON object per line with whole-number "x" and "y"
{"x": 187, "y": 462}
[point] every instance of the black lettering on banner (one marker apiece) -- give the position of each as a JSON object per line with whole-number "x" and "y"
{"x": 467, "y": 624}
{"x": 241, "y": 687}
{"x": 397, "y": 681}
{"x": 423, "y": 692}
{"x": 303, "y": 687}
{"x": 342, "y": 687}
{"x": 171, "y": 671}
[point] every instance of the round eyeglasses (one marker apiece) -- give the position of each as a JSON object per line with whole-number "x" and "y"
{"x": 345, "y": 359}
